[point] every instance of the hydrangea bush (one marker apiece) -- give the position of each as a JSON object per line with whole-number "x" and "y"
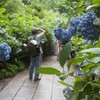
{"x": 5, "y": 51}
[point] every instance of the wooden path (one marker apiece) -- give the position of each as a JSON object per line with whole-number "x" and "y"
{"x": 21, "y": 88}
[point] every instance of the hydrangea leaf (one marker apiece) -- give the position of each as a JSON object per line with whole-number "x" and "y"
{"x": 74, "y": 96}
{"x": 88, "y": 89}
{"x": 75, "y": 61}
{"x": 49, "y": 70}
{"x": 92, "y": 50}
{"x": 95, "y": 60}
{"x": 2, "y": 10}
{"x": 64, "y": 54}
{"x": 79, "y": 85}
{"x": 80, "y": 3}
{"x": 96, "y": 2}
{"x": 65, "y": 84}
{"x": 94, "y": 70}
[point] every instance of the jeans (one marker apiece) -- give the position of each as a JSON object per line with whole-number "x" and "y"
{"x": 34, "y": 65}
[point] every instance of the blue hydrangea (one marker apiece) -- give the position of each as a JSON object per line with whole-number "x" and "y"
{"x": 75, "y": 21}
{"x": 5, "y": 51}
{"x": 80, "y": 73}
{"x": 82, "y": 25}
{"x": 87, "y": 28}
{"x": 60, "y": 33}
{"x": 85, "y": 42}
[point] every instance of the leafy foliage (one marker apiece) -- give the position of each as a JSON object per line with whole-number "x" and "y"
{"x": 66, "y": 50}
{"x": 88, "y": 51}
{"x": 16, "y": 21}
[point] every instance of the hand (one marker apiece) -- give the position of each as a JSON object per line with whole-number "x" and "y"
{"x": 41, "y": 30}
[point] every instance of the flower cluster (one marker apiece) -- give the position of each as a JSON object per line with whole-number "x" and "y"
{"x": 88, "y": 29}
{"x": 61, "y": 34}
{"x": 82, "y": 25}
{"x": 5, "y": 51}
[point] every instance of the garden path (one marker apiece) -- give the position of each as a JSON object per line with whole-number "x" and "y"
{"x": 48, "y": 88}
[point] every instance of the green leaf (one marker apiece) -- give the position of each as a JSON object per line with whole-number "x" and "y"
{"x": 63, "y": 76}
{"x": 86, "y": 67}
{"x": 95, "y": 70}
{"x": 49, "y": 70}
{"x": 95, "y": 60}
{"x": 80, "y": 3}
{"x": 64, "y": 54}
{"x": 63, "y": 83}
{"x": 74, "y": 96}
{"x": 96, "y": 2}
{"x": 2, "y": 10}
{"x": 87, "y": 89}
{"x": 78, "y": 85}
{"x": 92, "y": 50}
{"x": 75, "y": 61}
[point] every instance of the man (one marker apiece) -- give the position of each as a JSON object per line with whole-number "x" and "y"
{"x": 38, "y": 34}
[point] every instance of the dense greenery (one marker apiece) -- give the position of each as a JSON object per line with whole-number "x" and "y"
{"x": 17, "y": 17}
{"x": 16, "y": 22}
{"x": 87, "y": 84}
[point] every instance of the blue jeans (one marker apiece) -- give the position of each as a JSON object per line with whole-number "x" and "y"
{"x": 34, "y": 65}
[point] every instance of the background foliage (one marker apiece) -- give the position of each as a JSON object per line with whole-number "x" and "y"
{"x": 17, "y": 17}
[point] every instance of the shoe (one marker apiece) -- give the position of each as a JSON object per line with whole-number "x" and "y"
{"x": 37, "y": 79}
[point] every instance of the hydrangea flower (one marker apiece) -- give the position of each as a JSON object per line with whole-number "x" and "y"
{"x": 61, "y": 34}
{"x": 79, "y": 72}
{"x": 82, "y": 25}
{"x": 87, "y": 28}
{"x": 85, "y": 42}
{"x": 5, "y": 51}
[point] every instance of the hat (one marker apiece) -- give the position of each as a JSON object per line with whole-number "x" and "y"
{"x": 34, "y": 42}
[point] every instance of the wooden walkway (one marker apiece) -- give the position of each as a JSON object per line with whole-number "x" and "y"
{"x": 21, "y": 88}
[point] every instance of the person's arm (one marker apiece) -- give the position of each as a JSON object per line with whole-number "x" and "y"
{"x": 40, "y": 36}
{"x": 41, "y": 30}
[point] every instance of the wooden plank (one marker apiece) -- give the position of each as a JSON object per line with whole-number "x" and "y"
{"x": 13, "y": 87}
{"x": 27, "y": 91}
{"x": 44, "y": 89}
